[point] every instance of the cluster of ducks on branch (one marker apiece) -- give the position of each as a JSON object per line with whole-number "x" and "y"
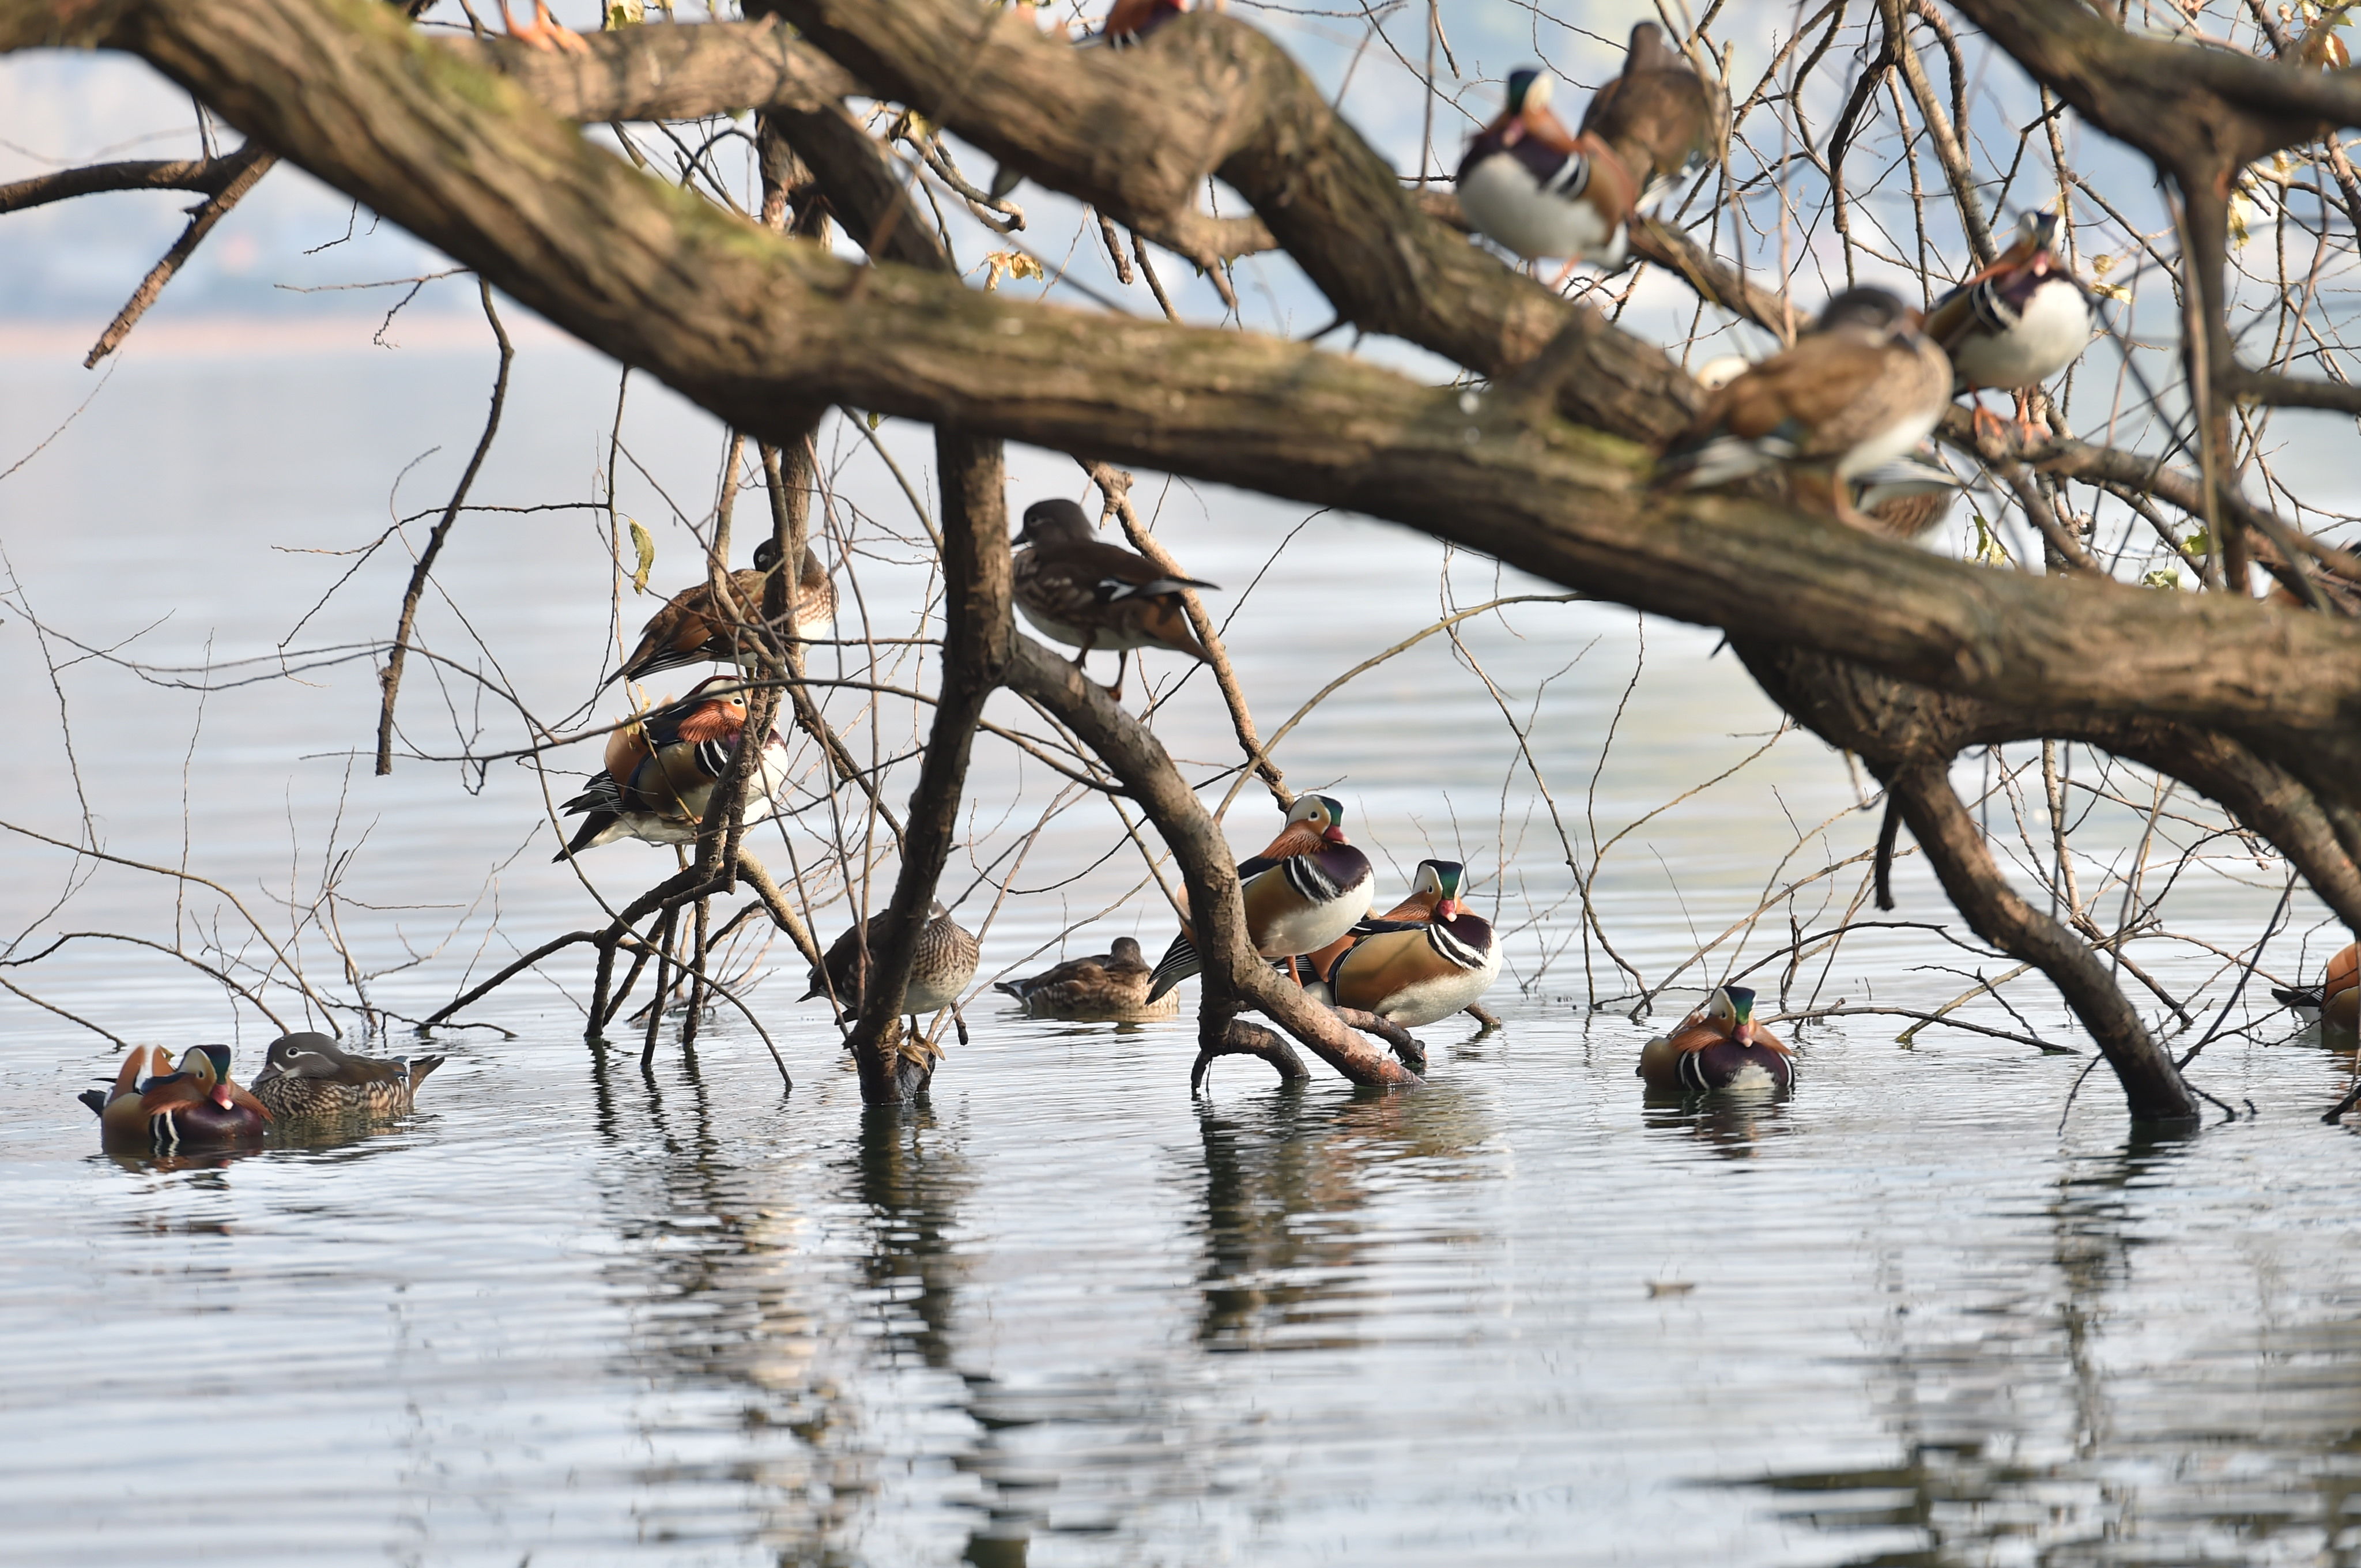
{"x": 156, "y": 1106}
{"x": 1850, "y": 404}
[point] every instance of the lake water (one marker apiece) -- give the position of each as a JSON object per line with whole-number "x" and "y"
{"x": 572, "y": 1312}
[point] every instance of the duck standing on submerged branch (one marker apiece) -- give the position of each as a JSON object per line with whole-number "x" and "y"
{"x": 942, "y": 962}
{"x": 1718, "y": 1045}
{"x": 1424, "y": 961}
{"x": 1090, "y": 595}
{"x": 1305, "y": 890}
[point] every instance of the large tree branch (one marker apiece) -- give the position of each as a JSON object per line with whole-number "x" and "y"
{"x": 748, "y": 326}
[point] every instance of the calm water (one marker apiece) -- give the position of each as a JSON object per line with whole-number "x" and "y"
{"x": 572, "y": 1312}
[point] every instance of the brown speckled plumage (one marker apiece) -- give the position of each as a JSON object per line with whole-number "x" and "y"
{"x": 309, "y": 1076}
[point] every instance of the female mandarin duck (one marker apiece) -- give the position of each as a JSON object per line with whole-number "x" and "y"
{"x": 198, "y": 1105}
{"x": 2339, "y": 996}
{"x": 1718, "y": 1045}
{"x": 1305, "y": 890}
{"x": 941, "y": 964}
{"x": 1906, "y": 498}
{"x": 1090, "y": 595}
{"x": 1660, "y": 116}
{"x": 1863, "y": 387}
{"x": 1536, "y": 188}
{"x": 2017, "y": 322}
{"x": 309, "y": 1075}
{"x": 1114, "y": 982}
{"x": 692, "y": 629}
{"x": 661, "y": 771}
{"x": 1429, "y": 959}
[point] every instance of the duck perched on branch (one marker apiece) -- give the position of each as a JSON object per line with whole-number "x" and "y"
{"x": 1661, "y": 117}
{"x": 1718, "y": 1045}
{"x": 661, "y": 768}
{"x": 2016, "y": 323}
{"x": 1423, "y": 962}
{"x": 310, "y": 1076}
{"x": 1090, "y": 595}
{"x": 942, "y": 962}
{"x": 1305, "y": 890}
{"x": 694, "y": 629}
{"x": 1863, "y": 387}
{"x": 1538, "y": 190}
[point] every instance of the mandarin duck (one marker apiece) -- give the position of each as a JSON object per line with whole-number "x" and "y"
{"x": 2338, "y": 998}
{"x": 661, "y": 768}
{"x": 1130, "y": 22}
{"x": 1536, "y": 188}
{"x": 1862, "y": 387}
{"x": 1114, "y": 982}
{"x": 1660, "y": 116}
{"x": 2017, "y": 323}
{"x": 1718, "y": 1045}
{"x": 693, "y": 630}
{"x": 1090, "y": 595}
{"x": 197, "y": 1105}
{"x": 309, "y": 1075}
{"x": 544, "y": 31}
{"x": 942, "y": 962}
{"x": 1426, "y": 892}
{"x": 1430, "y": 958}
{"x": 1305, "y": 890}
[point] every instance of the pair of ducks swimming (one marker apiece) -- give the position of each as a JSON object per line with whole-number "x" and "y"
{"x": 156, "y": 1105}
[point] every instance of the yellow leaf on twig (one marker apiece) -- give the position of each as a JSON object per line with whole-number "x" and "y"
{"x": 647, "y": 553}
{"x": 1015, "y": 263}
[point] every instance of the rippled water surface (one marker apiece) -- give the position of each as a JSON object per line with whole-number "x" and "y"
{"x": 577, "y": 1312}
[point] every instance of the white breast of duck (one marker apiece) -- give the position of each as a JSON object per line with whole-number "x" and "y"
{"x": 2024, "y": 341}
{"x": 1529, "y": 198}
{"x": 1473, "y": 959}
{"x": 1108, "y": 637}
{"x": 1333, "y": 888}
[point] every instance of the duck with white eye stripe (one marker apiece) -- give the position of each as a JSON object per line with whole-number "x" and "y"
{"x": 1305, "y": 890}
{"x": 2016, "y": 323}
{"x": 1090, "y": 595}
{"x": 308, "y": 1076}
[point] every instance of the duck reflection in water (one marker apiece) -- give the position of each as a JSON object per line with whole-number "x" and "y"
{"x": 1286, "y": 1263}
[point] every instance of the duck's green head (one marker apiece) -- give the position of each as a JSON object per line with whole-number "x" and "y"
{"x": 1441, "y": 878}
{"x": 1740, "y": 1012}
{"x": 1529, "y": 89}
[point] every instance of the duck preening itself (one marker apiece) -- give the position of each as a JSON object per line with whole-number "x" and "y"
{"x": 1663, "y": 119}
{"x": 1862, "y": 387}
{"x": 1092, "y": 596}
{"x": 2017, "y": 322}
{"x": 1112, "y": 982}
{"x": 942, "y": 962}
{"x": 661, "y": 768}
{"x": 694, "y": 628}
{"x": 1305, "y": 890}
{"x": 310, "y": 1076}
{"x": 1718, "y": 1045}
{"x": 1538, "y": 190}
{"x": 2339, "y": 996}
{"x": 1425, "y": 960}
{"x": 154, "y": 1106}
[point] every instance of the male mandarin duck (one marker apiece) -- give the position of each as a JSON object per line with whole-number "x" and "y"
{"x": 694, "y": 629}
{"x": 1537, "y": 189}
{"x": 1862, "y": 387}
{"x": 661, "y": 771}
{"x": 1660, "y": 116}
{"x": 1305, "y": 890}
{"x": 544, "y": 31}
{"x": 309, "y": 1075}
{"x": 2017, "y": 322}
{"x": 2338, "y": 998}
{"x": 197, "y": 1105}
{"x": 1426, "y": 892}
{"x": 941, "y": 964}
{"x": 1718, "y": 1045}
{"x": 1090, "y": 595}
{"x": 1427, "y": 959}
{"x": 1112, "y": 982}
